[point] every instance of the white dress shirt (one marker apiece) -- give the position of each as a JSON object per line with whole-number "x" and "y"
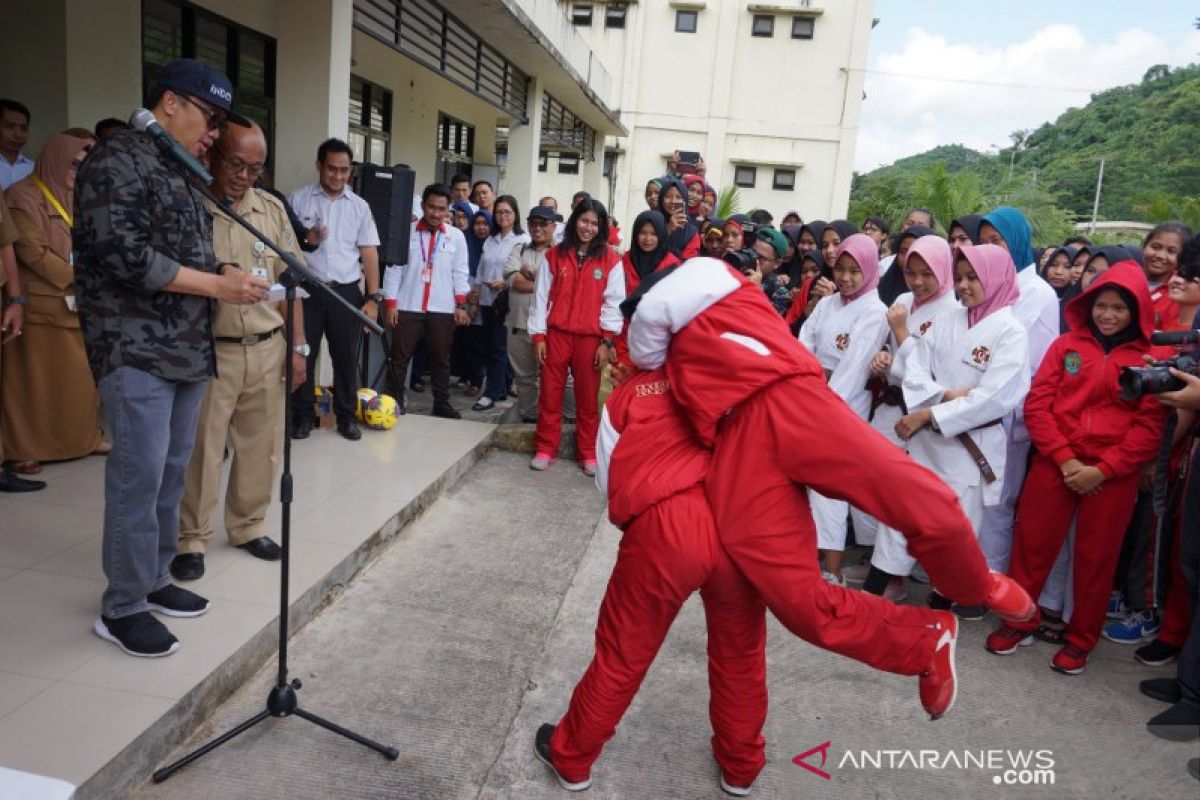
{"x": 491, "y": 264}
{"x": 350, "y": 224}
{"x": 18, "y": 170}
{"x": 429, "y": 283}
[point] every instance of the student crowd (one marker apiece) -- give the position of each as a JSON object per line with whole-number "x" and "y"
{"x": 990, "y": 361}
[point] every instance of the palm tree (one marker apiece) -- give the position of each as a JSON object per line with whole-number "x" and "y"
{"x": 729, "y": 202}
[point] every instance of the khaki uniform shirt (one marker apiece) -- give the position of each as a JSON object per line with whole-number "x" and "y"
{"x": 233, "y": 244}
{"x": 8, "y": 231}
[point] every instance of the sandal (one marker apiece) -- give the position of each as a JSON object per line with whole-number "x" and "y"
{"x": 102, "y": 449}
{"x": 23, "y": 467}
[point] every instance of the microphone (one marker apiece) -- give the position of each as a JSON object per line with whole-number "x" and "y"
{"x": 144, "y": 120}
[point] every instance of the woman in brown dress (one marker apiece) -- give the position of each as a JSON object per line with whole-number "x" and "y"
{"x": 50, "y": 403}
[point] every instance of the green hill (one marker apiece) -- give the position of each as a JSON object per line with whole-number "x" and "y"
{"x": 1148, "y": 134}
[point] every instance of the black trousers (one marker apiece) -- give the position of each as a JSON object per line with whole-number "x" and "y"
{"x": 325, "y": 317}
{"x": 1189, "y": 658}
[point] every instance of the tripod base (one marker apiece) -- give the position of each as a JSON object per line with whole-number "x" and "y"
{"x": 281, "y": 702}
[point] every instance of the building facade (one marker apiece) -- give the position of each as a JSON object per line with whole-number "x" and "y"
{"x": 476, "y": 86}
{"x": 768, "y": 93}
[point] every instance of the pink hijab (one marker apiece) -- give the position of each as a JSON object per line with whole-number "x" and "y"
{"x": 996, "y": 271}
{"x": 935, "y": 251}
{"x": 865, "y": 252}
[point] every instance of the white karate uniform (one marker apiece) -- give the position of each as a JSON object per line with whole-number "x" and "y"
{"x": 920, "y": 321}
{"x": 844, "y": 336}
{"x": 1037, "y": 309}
{"x": 992, "y": 360}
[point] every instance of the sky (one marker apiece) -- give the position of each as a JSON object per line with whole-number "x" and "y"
{"x": 949, "y": 71}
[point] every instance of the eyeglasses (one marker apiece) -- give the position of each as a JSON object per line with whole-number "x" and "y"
{"x": 213, "y": 118}
{"x": 765, "y": 260}
{"x": 236, "y": 166}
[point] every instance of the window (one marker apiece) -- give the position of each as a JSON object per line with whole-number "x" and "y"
{"x": 455, "y": 146}
{"x": 568, "y": 164}
{"x": 581, "y": 14}
{"x": 614, "y": 16}
{"x": 802, "y": 27}
{"x": 174, "y": 29}
{"x": 370, "y": 122}
{"x": 610, "y": 161}
{"x": 745, "y": 176}
{"x": 763, "y": 25}
{"x": 785, "y": 180}
{"x": 543, "y": 162}
{"x": 685, "y": 21}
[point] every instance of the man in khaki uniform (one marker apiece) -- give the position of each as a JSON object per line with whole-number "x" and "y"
{"x": 11, "y": 320}
{"x": 244, "y": 404}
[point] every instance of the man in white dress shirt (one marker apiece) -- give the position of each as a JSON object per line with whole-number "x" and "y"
{"x": 427, "y": 297}
{"x": 14, "y": 133}
{"x": 339, "y": 224}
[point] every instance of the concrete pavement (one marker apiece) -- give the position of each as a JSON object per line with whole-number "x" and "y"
{"x": 472, "y": 627}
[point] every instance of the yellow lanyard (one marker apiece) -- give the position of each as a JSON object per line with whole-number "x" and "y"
{"x": 53, "y": 201}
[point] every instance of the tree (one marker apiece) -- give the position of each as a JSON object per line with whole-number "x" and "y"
{"x": 729, "y": 202}
{"x": 947, "y": 195}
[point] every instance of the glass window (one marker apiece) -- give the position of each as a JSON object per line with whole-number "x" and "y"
{"x": 614, "y": 16}
{"x": 745, "y": 176}
{"x": 785, "y": 180}
{"x": 568, "y": 164}
{"x": 543, "y": 162}
{"x": 370, "y": 122}
{"x": 685, "y": 21}
{"x": 581, "y": 14}
{"x": 763, "y": 25}
{"x": 802, "y": 27}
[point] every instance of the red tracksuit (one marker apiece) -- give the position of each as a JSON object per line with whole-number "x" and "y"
{"x": 573, "y": 333}
{"x": 733, "y": 364}
{"x": 669, "y": 549}
{"x": 1073, "y": 411}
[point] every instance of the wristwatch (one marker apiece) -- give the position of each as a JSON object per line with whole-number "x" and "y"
{"x": 16, "y": 300}
{"x": 302, "y": 349}
{"x": 607, "y": 342}
{"x": 376, "y": 297}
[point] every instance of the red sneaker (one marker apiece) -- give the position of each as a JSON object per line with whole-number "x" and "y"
{"x": 1005, "y": 640}
{"x": 1070, "y": 660}
{"x": 939, "y": 682}
{"x": 1008, "y": 600}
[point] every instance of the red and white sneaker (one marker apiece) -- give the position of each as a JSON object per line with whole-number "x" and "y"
{"x": 1008, "y": 600}
{"x": 1005, "y": 640}
{"x": 939, "y": 681}
{"x": 1070, "y": 660}
{"x": 541, "y": 462}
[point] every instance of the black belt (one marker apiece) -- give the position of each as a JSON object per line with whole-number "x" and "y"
{"x": 249, "y": 339}
{"x": 892, "y": 396}
{"x": 336, "y": 285}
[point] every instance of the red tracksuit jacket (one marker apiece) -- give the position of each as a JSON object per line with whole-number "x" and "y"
{"x": 577, "y": 293}
{"x": 1073, "y": 409}
{"x": 659, "y": 455}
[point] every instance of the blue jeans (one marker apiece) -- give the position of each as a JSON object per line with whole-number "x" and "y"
{"x": 495, "y": 350}
{"x": 152, "y": 423}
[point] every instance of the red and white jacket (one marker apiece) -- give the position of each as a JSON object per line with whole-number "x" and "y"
{"x": 726, "y": 340}
{"x": 582, "y": 300}
{"x": 646, "y": 450}
{"x": 436, "y": 278}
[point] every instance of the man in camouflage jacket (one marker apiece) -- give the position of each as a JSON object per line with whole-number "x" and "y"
{"x": 145, "y": 276}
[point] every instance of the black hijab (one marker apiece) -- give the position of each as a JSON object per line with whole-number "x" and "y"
{"x": 892, "y": 284}
{"x": 679, "y": 238}
{"x": 645, "y": 263}
{"x": 816, "y": 228}
{"x": 844, "y": 227}
{"x": 1065, "y": 292}
{"x": 969, "y": 223}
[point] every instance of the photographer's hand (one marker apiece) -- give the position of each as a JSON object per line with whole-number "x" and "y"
{"x": 1188, "y": 397}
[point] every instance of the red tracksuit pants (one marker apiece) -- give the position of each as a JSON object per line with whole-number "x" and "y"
{"x": 765, "y": 458}
{"x": 563, "y": 351}
{"x": 667, "y": 553}
{"x": 1044, "y": 515}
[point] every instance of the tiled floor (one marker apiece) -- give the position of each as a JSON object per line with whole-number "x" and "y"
{"x": 69, "y": 702}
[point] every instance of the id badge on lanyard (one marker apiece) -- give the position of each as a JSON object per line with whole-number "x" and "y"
{"x": 427, "y": 267}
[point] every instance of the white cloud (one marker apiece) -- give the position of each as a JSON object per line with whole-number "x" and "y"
{"x": 1054, "y": 69}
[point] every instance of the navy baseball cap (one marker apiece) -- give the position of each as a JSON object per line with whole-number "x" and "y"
{"x": 197, "y": 79}
{"x": 543, "y": 212}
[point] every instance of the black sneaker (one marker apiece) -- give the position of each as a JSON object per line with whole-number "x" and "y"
{"x": 1156, "y": 653}
{"x": 301, "y": 428}
{"x": 969, "y": 613}
{"x": 446, "y": 411}
{"x": 541, "y": 748}
{"x": 349, "y": 430}
{"x": 938, "y": 602}
{"x": 10, "y": 482}
{"x": 137, "y": 634}
{"x": 1165, "y": 689}
{"x": 175, "y": 601}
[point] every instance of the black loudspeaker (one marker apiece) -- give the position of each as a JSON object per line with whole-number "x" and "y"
{"x": 389, "y": 193}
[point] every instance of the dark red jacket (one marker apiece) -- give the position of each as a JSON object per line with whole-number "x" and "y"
{"x": 657, "y": 454}
{"x": 632, "y": 281}
{"x": 1074, "y": 408}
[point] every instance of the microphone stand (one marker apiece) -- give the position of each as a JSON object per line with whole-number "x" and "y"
{"x": 281, "y": 702}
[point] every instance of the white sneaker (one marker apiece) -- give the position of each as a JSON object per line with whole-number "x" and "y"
{"x": 735, "y": 791}
{"x": 896, "y": 591}
{"x": 831, "y": 578}
{"x": 856, "y": 573}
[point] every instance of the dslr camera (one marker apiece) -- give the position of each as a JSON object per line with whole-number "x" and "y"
{"x": 1155, "y": 378}
{"x": 744, "y": 261}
